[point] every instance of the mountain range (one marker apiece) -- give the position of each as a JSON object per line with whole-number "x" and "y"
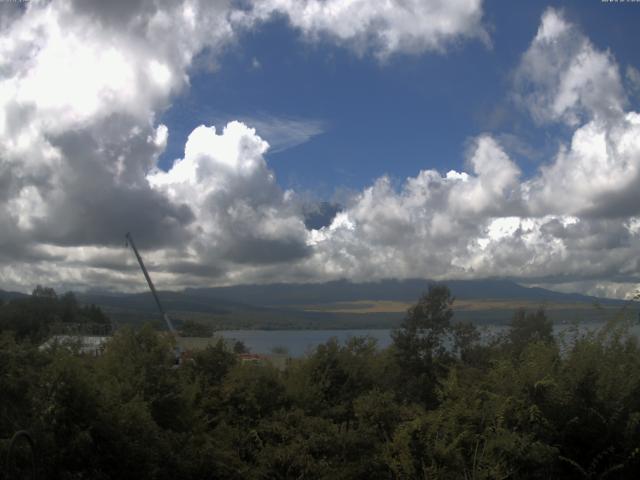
{"x": 343, "y": 304}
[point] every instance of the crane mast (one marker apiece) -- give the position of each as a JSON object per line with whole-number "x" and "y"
{"x": 167, "y": 320}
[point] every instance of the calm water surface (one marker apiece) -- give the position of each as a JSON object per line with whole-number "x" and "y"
{"x": 302, "y": 342}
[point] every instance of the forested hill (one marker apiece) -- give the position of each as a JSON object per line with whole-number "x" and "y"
{"x": 5, "y": 295}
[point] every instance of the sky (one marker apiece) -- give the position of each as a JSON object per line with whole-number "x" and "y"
{"x": 311, "y": 140}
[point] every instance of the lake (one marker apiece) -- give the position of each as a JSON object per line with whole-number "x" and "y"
{"x": 299, "y": 343}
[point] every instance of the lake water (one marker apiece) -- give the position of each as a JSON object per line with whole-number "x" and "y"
{"x": 302, "y": 342}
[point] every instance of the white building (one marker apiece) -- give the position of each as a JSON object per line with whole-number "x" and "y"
{"x": 85, "y": 344}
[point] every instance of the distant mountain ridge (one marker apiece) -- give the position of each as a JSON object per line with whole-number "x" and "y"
{"x": 339, "y": 304}
{"x": 391, "y": 290}
{"x": 7, "y": 295}
{"x": 292, "y": 295}
{"x": 221, "y": 299}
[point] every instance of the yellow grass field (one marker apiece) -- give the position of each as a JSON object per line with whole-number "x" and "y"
{"x": 384, "y": 306}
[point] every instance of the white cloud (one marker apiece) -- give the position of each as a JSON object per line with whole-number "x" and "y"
{"x": 429, "y": 228}
{"x": 595, "y": 288}
{"x": 495, "y": 184}
{"x": 386, "y": 27}
{"x": 563, "y": 77}
{"x": 596, "y": 175}
{"x": 242, "y": 215}
{"x": 67, "y": 69}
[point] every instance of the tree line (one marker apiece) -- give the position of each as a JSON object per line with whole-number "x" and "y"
{"x": 438, "y": 403}
{"x": 36, "y": 317}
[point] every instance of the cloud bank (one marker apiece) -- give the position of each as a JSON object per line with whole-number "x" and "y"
{"x": 82, "y": 85}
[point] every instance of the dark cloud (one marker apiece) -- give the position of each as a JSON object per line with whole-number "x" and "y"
{"x": 257, "y": 250}
{"x": 100, "y": 192}
{"x": 203, "y": 270}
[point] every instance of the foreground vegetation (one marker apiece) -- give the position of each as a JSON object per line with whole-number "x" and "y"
{"x": 436, "y": 404}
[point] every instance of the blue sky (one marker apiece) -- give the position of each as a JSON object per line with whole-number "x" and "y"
{"x": 394, "y": 117}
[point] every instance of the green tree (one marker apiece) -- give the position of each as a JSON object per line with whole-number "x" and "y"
{"x": 420, "y": 344}
{"x": 239, "y": 347}
{"x": 191, "y": 328}
{"x": 44, "y": 292}
{"x": 92, "y": 314}
{"x": 528, "y": 327}
{"x": 253, "y": 392}
{"x": 466, "y": 339}
{"x": 68, "y": 306}
{"x": 333, "y": 377}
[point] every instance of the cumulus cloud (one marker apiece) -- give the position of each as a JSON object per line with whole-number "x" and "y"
{"x": 80, "y": 86}
{"x": 242, "y": 214}
{"x": 595, "y": 175}
{"x": 428, "y": 228}
{"x": 563, "y": 77}
{"x": 411, "y": 26}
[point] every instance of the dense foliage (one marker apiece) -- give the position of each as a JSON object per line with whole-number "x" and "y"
{"x": 191, "y": 328}
{"x": 44, "y": 312}
{"x": 437, "y": 404}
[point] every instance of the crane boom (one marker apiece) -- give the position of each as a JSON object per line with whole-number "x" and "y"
{"x": 151, "y": 286}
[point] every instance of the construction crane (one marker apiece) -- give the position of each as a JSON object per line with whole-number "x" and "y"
{"x": 130, "y": 242}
